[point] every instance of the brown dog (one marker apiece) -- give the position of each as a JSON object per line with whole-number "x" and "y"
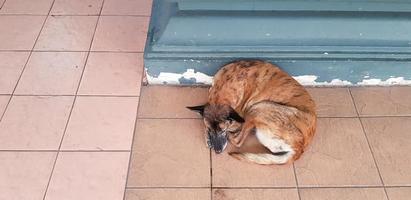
{"x": 261, "y": 110}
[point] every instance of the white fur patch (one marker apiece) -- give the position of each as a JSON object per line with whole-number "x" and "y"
{"x": 265, "y": 159}
{"x": 275, "y": 145}
{"x": 225, "y": 145}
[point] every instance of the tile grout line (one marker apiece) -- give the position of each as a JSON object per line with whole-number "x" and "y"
{"x": 336, "y": 117}
{"x": 21, "y": 74}
{"x": 369, "y": 145}
{"x": 274, "y": 188}
{"x": 27, "y": 61}
{"x": 368, "y": 116}
{"x": 71, "y": 51}
{"x": 1, "y": 6}
{"x": 355, "y": 187}
{"x": 135, "y": 126}
{"x": 75, "y": 97}
{"x": 5, "y": 108}
{"x": 71, "y": 15}
{"x": 150, "y": 118}
{"x": 211, "y": 175}
{"x": 72, "y": 95}
{"x": 296, "y": 182}
{"x": 73, "y": 151}
{"x": 352, "y": 186}
{"x": 353, "y": 103}
{"x": 167, "y": 187}
{"x": 382, "y": 116}
{"x": 132, "y": 145}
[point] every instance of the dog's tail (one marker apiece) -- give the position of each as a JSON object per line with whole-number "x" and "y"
{"x": 264, "y": 158}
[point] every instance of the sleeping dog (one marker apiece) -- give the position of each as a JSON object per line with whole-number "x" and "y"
{"x": 265, "y": 114}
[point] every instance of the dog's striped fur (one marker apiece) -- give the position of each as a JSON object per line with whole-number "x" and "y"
{"x": 279, "y": 114}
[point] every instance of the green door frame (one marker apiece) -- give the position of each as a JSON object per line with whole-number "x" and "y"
{"x": 323, "y": 42}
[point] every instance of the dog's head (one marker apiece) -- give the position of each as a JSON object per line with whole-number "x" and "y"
{"x": 220, "y": 121}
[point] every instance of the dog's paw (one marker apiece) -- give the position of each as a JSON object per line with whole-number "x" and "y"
{"x": 235, "y": 134}
{"x": 235, "y": 139}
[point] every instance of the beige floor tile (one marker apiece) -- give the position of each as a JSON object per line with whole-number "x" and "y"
{"x": 24, "y": 175}
{"x": 121, "y": 33}
{"x": 89, "y": 175}
{"x": 127, "y": 7}
{"x": 169, "y": 153}
{"x": 52, "y": 73}
{"x": 230, "y": 172}
{"x": 37, "y": 7}
{"x": 338, "y": 156}
{"x": 19, "y": 32}
{"x": 67, "y": 33}
{"x": 255, "y": 194}
{"x": 4, "y": 100}
{"x": 170, "y": 102}
{"x": 101, "y": 123}
{"x": 168, "y": 194}
{"x": 390, "y": 141}
{"x": 77, "y": 7}
{"x": 333, "y": 102}
{"x": 343, "y": 194}
{"x": 403, "y": 193}
{"x": 11, "y": 66}
{"x": 113, "y": 74}
{"x": 34, "y": 123}
{"x": 382, "y": 101}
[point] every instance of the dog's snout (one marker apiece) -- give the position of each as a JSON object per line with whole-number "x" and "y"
{"x": 220, "y": 148}
{"x": 218, "y": 142}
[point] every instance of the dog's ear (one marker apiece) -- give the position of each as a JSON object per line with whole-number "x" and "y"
{"x": 233, "y": 115}
{"x": 198, "y": 109}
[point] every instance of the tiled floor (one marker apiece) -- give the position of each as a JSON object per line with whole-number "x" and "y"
{"x": 70, "y": 80}
{"x": 361, "y": 150}
{"x": 76, "y": 124}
